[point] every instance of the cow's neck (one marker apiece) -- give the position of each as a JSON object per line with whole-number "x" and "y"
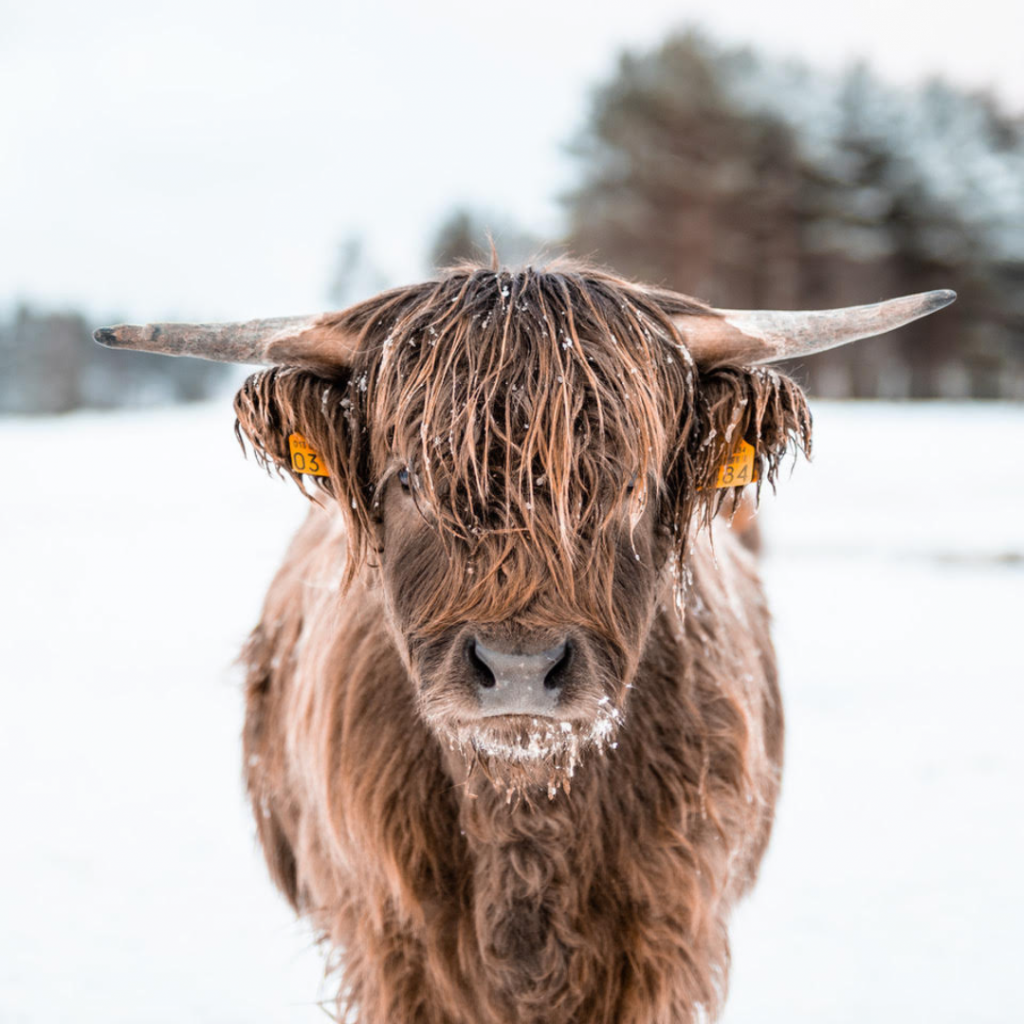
{"x": 530, "y": 879}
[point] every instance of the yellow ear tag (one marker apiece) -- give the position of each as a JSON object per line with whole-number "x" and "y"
{"x": 304, "y": 459}
{"x": 739, "y": 467}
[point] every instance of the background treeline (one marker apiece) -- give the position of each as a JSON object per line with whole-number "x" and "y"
{"x": 744, "y": 181}
{"x": 749, "y": 182}
{"x": 49, "y": 364}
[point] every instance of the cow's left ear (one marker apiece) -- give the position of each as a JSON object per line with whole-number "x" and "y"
{"x": 746, "y": 421}
{"x": 310, "y": 427}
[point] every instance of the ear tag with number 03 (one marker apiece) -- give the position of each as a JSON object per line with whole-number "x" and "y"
{"x": 305, "y": 459}
{"x": 739, "y": 467}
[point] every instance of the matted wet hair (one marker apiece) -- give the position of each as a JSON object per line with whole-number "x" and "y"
{"x": 535, "y": 410}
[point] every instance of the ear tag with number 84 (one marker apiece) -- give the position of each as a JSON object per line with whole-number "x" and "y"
{"x": 738, "y": 468}
{"x": 304, "y": 458}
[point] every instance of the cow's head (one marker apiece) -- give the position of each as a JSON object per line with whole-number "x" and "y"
{"x": 521, "y": 458}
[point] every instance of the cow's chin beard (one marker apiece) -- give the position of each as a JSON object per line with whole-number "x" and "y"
{"x": 525, "y": 756}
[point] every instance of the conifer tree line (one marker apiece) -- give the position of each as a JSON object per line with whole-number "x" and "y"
{"x": 50, "y": 364}
{"x": 755, "y": 183}
{"x": 742, "y": 180}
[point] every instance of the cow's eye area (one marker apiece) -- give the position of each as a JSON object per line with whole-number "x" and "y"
{"x": 404, "y": 478}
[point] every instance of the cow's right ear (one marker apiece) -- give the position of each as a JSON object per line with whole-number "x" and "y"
{"x": 756, "y": 407}
{"x": 743, "y": 423}
{"x": 311, "y": 428}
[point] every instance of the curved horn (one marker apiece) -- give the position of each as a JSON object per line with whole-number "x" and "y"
{"x": 748, "y": 336}
{"x": 293, "y": 340}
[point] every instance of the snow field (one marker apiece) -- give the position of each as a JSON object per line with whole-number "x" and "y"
{"x": 135, "y": 550}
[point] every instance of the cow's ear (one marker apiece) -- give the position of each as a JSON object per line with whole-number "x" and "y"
{"x": 744, "y": 423}
{"x": 311, "y": 428}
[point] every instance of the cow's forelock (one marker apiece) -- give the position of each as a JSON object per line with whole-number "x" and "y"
{"x": 537, "y": 414}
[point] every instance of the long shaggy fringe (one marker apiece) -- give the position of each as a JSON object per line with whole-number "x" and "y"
{"x": 534, "y": 410}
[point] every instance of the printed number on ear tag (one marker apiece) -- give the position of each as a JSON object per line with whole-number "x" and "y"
{"x": 739, "y": 468}
{"x": 304, "y": 458}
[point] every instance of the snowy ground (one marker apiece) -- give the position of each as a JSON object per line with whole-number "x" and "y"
{"x": 134, "y": 550}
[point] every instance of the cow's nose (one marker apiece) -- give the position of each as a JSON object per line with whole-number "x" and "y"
{"x": 511, "y": 683}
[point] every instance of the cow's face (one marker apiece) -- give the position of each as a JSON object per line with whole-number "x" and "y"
{"x": 514, "y": 661}
{"x": 520, "y": 458}
{"x": 522, "y": 444}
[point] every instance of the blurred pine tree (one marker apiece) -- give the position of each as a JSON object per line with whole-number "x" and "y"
{"x": 752, "y": 182}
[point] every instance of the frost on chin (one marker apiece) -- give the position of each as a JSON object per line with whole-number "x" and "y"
{"x": 522, "y": 753}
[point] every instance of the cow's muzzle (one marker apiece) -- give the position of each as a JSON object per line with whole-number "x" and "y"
{"x": 516, "y": 682}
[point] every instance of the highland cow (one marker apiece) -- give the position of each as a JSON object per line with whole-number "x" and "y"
{"x": 513, "y": 734}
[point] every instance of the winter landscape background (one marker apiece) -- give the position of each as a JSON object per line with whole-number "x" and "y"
{"x": 746, "y": 176}
{"x": 219, "y": 161}
{"x": 134, "y": 891}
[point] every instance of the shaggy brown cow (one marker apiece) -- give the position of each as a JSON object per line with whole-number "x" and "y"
{"x": 514, "y": 735}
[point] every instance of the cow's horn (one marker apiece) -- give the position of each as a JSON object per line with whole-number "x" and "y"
{"x": 292, "y": 340}
{"x": 749, "y": 336}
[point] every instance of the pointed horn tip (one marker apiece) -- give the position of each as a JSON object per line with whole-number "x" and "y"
{"x": 114, "y": 337}
{"x": 938, "y": 299}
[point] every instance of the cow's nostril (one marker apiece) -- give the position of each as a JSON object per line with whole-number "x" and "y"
{"x": 484, "y": 675}
{"x": 556, "y": 674}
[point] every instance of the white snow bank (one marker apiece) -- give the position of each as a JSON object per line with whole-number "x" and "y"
{"x": 135, "y": 549}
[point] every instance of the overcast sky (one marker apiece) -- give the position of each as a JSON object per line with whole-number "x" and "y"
{"x": 203, "y": 159}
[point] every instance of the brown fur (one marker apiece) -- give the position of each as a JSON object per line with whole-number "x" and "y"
{"x": 562, "y": 450}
